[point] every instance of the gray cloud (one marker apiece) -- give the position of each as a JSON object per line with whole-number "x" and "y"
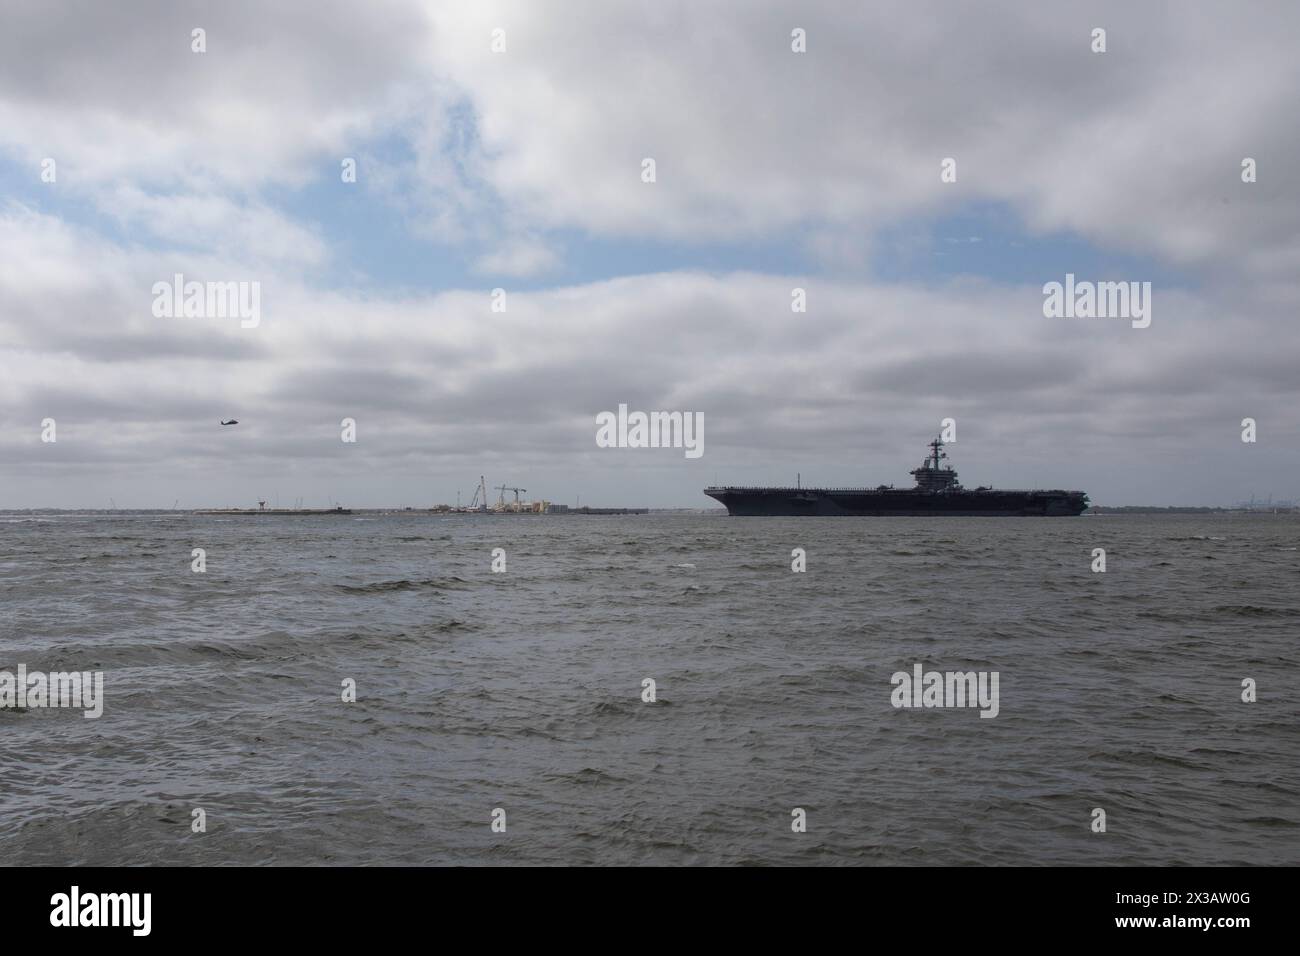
{"x": 1136, "y": 150}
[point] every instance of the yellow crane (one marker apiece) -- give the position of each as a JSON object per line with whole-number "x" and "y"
{"x": 501, "y": 501}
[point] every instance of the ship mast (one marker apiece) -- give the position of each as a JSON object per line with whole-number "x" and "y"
{"x": 934, "y": 447}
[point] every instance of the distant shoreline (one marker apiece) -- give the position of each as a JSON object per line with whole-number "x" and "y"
{"x": 1180, "y": 510}
{"x": 330, "y": 512}
{"x": 272, "y": 512}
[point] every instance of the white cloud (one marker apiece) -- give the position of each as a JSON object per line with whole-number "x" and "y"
{"x": 439, "y": 382}
{"x": 1137, "y": 150}
{"x": 519, "y": 258}
{"x": 116, "y": 95}
{"x": 220, "y": 226}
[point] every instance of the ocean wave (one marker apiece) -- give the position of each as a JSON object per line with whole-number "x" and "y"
{"x": 1255, "y": 610}
{"x": 405, "y": 584}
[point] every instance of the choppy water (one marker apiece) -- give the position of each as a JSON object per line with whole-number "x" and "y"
{"x": 522, "y": 690}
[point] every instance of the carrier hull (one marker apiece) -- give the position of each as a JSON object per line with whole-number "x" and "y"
{"x": 937, "y": 493}
{"x": 813, "y": 502}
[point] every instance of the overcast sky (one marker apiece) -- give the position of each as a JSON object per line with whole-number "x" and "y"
{"x": 522, "y": 170}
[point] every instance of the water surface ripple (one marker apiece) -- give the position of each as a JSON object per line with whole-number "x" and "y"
{"x": 522, "y": 690}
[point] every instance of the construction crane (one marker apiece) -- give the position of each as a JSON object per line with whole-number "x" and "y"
{"x": 501, "y": 501}
{"x": 480, "y": 496}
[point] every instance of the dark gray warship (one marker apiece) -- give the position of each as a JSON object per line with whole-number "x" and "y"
{"x": 937, "y": 492}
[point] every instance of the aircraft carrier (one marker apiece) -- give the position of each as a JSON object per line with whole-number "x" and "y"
{"x": 937, "y": 492}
